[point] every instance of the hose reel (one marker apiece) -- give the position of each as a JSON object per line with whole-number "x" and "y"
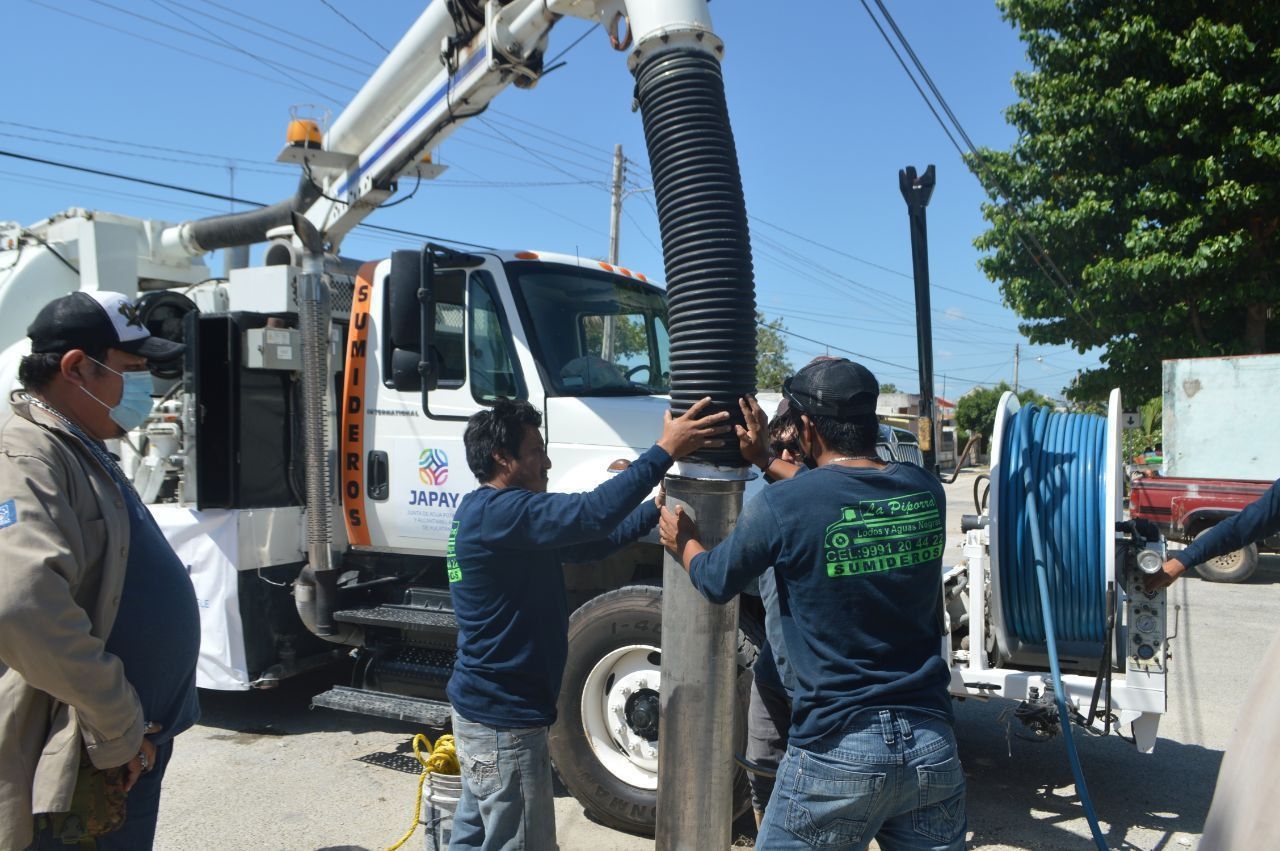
{"x": 1055, "y": 495}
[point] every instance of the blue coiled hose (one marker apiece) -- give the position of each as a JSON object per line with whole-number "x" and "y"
{"x": 1057, "y": 458}
{"x": 1052, "y": 560}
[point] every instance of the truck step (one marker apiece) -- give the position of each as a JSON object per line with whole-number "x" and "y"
{"x": 429, "y": 713}
{"x": 410, "y": 618}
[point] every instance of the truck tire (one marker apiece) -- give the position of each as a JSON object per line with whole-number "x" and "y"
{"x": 1235, "y": 566}
{"x": 614, "y": 642}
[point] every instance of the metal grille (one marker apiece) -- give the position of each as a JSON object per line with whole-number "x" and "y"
{"x": 342, "y": 293}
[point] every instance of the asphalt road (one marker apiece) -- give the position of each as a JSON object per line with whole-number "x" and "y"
{"x": 262, "y": 771}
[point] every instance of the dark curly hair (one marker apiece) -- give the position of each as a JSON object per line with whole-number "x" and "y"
{"x": 497, "y": 429}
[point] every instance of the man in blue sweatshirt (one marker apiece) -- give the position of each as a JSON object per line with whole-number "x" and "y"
{"x": 856, "y": 548}
{"x": 509, "y": 542}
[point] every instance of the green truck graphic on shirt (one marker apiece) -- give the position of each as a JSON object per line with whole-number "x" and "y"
{"x": 877, "y": 535}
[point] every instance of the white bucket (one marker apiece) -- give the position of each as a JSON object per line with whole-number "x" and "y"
{"x": 439, "y": 802}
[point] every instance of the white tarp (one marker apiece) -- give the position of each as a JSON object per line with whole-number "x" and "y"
{"x": 208, "y": 542}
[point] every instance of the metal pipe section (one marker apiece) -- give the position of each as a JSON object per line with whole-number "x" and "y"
{"x": 711, "y": 318}
{"x": 313, "y": 321}
{"x": 699, "y": 669}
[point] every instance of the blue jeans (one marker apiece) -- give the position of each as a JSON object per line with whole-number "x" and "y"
{"x": 894, "y": 777}
{"x": 506, "y": 800}
{"x": 142, "y": 810}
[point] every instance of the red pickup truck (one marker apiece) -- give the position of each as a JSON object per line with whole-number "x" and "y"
{"x": 1183, "y": 508}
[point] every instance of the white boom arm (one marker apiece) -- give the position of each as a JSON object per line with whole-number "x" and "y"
{"x": 447, "y": 68}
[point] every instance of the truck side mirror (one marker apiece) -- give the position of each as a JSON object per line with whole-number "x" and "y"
{"x": 409, "y": 316}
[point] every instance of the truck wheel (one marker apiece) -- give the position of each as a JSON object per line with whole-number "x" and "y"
{"x": 613, "y": 671}
{"x": 1233, "y": 567}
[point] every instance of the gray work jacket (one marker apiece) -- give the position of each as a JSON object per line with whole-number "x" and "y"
{"x": 64, "y": 547}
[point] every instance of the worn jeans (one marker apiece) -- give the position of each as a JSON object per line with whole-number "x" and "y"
{"x": 894, "y": 777}
{"x": 507, "y": 800}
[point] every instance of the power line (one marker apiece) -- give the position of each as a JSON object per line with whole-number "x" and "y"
{"x": 275, "y": 66}
{"x": 354, "y": 25}
{"x": 217, "y": 196}
{"x": 971, "y": 158}
{"x": 865, "y": 262}
{"x": 184, "y": 51}
{"x": 327, "y": 47}
{"x": 223, "y": 159}
{"x": 329, "y": 52}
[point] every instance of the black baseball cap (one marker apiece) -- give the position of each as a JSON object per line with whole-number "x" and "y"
{"x": 97, "y": 320}
{"x": 832, "y": 387}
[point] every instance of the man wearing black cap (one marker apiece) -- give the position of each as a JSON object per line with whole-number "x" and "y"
{"x": 99, "y": 629}
{"x": 856, "y": 546}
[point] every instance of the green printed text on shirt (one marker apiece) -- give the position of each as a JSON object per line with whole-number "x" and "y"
{"x": 877, "y": 535}
{"x": 451, "y": 555}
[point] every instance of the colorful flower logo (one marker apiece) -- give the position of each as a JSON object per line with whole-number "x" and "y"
{"x": 433, "y": 467}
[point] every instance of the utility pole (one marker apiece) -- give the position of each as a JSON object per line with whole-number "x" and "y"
{"x": 1017, "y": 351}
{"x": 916, "y": 191}
{"x": 615, "y": 226}
{"x": 615, "y": 210}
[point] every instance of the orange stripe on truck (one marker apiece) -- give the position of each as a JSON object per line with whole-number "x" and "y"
{"x": 351, "y": 444}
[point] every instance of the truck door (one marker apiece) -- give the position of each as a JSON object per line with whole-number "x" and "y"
{"x": 413, "y": 463}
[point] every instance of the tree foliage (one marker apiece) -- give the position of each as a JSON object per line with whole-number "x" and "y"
{"x": 1150, "y": 431}
{"x": 976, "y": 410}
{"x": 888, "y": 387}
{"x": 1139, "y": 208}
{"x": 772, "y": 365}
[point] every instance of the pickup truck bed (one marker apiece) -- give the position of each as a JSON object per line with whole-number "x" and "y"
{"x": 1185, "y": 507}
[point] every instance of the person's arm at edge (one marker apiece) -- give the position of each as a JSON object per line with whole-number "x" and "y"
{"x": 643, "y": 518}
{"x": 1256, "y": 521}
{"x": 567, "y": 520}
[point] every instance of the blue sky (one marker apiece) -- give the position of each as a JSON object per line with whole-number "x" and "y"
{"x": 198, "y": 92}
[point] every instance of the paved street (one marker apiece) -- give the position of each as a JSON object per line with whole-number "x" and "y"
{"x": 264, "y": 772}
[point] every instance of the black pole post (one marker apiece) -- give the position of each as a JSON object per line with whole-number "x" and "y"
{"x": 916, "y": 191}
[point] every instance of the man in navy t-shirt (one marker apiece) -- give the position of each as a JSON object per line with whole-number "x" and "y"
{"x": 509, "y": 542}
{"x": 856, "y": 548}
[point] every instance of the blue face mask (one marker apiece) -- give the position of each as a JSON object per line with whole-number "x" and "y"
{"x": 135, "y": 401}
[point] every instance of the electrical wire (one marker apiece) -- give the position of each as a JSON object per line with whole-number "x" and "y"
{"x": 229, "y": 45}
{"x": 186, "y": 52}
{"x": 354, "y": 25}
{"x": 221, "y": 197}
{"x": 972, "y": 159}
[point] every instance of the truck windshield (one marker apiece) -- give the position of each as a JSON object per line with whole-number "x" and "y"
{"x": 595, "y": 333}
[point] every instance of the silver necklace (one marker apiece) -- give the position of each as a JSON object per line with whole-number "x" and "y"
{"x": 852, "y": 458}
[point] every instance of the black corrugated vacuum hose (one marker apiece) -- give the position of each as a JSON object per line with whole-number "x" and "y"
{"x": 706, "y": 245}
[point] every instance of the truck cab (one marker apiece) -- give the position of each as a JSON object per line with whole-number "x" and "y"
{"x": 583, "y": 341}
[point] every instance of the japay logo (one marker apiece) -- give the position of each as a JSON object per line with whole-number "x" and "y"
{"x": 433, "y": 467}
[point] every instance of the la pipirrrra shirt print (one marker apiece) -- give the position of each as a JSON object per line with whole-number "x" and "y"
{"x": 877, "y": 535}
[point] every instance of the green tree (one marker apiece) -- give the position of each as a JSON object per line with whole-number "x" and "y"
{"x": 772, "y": 365}
{"x": 888, "y": 387}
{"x": 1139, "y": 209}
{"x": 976, "y": 410}
{"x": 1149, "y": 433}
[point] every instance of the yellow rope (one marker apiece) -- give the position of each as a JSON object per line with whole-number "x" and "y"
{"x": 441, "y": 759}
